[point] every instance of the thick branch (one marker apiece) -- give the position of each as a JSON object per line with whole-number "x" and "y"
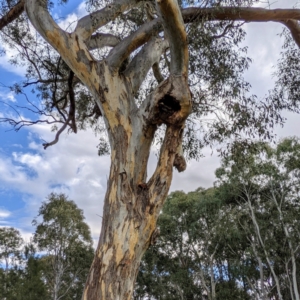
{"x": 132, "y": 42}
{"x": 247, "y": 14}
{"x": 163, "y": 173}
{"x": 100, "y": 40}
{"x": 294, "y": 28}
{"x": 70, "y": 46}
{"x": 90, "y": 23}
{"x": 175, "y": 33}
{"x": 143, "y": 61}
{"x": 194, "y": 14}
{"x": 12, "y": 14}
{"x": 44, "y": 24}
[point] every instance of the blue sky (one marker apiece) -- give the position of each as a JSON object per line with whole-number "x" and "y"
{"x": 28, "y": 173}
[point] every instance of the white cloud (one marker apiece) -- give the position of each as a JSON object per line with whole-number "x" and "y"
{"x": 4, "y": 213}
{"x": 72, "y": 166}
{"x": 10, "y": 53}
{"x": 69, "y": 22}
{"x": 7, "y": 96}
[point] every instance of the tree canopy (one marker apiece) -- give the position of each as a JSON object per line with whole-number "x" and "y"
{"x": 238, "y": 240}
{"x": 55, "y": 263}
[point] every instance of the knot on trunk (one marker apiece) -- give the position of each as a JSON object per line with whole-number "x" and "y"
{"x": 179, "y": 163}
{"x": 167, "y": 106}
{"x": 173, "y": 101}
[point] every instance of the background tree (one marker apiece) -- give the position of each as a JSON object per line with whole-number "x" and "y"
{"x": 150, "y": 72}
{"x": 264, "y": 184}
{"x": 238, "y": 240}
{"x": 33, "y": 280}
{"x": 199, "y": 253}
{"x": 66, "y": 239}
{"x": 10, "y": 256}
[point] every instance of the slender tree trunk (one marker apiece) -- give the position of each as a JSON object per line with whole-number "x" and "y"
{"x": 291, "y": 248}
{"x": 289, "y": 281}
{"x": 262, "y": 244}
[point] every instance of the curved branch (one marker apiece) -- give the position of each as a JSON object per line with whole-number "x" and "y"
{"x": 132, "y": 42}
{"x": 294, "y": 28}
{"x": 143, "y": 61}
{"x": 44, "y": 24}
{"x": 175, "y": 33}
{"x": 12, "y": 14}
{"x": 100, "y": 40}
{"x": 90, "y": 23}
{"x": 70, "y": 46}
{"x": 58, "y": 133}
{"x": 156, "y": 72}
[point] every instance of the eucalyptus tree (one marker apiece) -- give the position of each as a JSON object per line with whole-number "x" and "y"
{"x": 65, "y": 239}
{"x": 199, "y": 253}
{"x": 264, "y": 183}
{"x": 148, "y": 71}
{"x": 10, "y": 246}
{"x": 10, "y": 256}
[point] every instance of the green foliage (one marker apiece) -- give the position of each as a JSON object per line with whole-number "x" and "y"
{"x": 66, "y": 238}
{"x": 235, "y": 240}
{"x": 55, "y": 264}
{"x": 189, "y": 259}
{"x": 10, "y": 244}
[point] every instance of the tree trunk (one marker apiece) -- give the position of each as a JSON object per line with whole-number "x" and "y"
{"x": 129, "y": 222}
{"x": 128, "y": 228}
{"x": 132, "y": 204}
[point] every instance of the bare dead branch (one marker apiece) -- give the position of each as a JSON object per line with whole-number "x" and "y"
{"x": 44, "y": 81}
{"x": 175, "y": 33}
{"x": 58, "y": 133}
{"x": 72, "y": 102}
{"x": 12, "y": 14}
{"x": 90, "y": 23}
{"x": 17, "y": 125}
